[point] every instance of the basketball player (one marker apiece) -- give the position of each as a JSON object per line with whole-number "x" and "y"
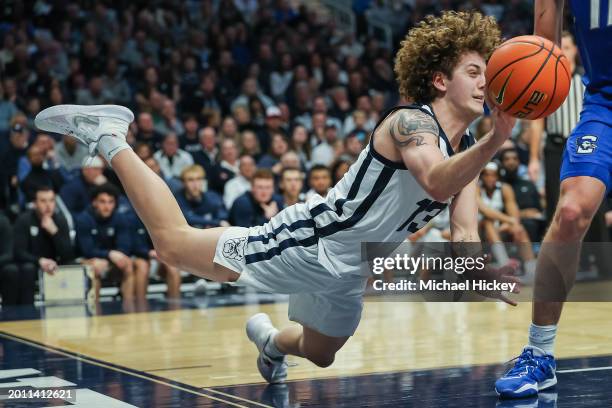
{"x": 416, "y": 164}
{"x": 585, "y": 181}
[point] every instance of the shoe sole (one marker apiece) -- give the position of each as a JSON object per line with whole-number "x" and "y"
{"x": 551, "y": 382}
{"x": 44, "y": 119}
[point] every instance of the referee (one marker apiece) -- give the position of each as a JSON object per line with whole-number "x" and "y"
{"x": 558, "y": 127}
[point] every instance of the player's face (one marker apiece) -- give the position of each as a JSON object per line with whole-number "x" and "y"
{"x": 466, "y": 89}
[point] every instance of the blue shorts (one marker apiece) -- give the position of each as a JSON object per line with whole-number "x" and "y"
{"x": 588, "y": 151}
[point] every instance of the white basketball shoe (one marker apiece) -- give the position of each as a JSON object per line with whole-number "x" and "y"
{"x": 88, "y": 124}
{"x": 260, "y": 331}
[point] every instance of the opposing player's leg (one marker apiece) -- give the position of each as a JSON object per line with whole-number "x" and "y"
{"x": 103, "y": 128}
{"x": 555, "y": 274}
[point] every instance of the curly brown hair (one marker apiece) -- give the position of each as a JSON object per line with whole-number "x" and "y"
{"x": 436, "y": 44}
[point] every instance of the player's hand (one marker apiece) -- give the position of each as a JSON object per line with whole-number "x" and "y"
{"x": 153, "y": 254}
{"x": 502, "y": 124}
{"x": 534, "y": 169}
{"x": 505, "y": 274}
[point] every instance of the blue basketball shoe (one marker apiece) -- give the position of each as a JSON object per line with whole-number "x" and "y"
{"x": 533, "y": 371}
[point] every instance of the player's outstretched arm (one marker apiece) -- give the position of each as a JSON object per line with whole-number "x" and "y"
{"x": 548, "y": 19}
{"x": 415, "y": 135}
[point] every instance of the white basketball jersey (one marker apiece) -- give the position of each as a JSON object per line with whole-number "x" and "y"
{"x": 377, "y": 200}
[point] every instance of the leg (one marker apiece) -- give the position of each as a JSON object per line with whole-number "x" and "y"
{"x": 558, "y": 260}
{"x": 304, "y": 342}
{"x": 173, "y": 280}
{"x": 99, "y": 267}
{"x": 141, "y": 278}
{"x": 176, "y": 243}
{"x": 27, "y": 283}
{"x": 127, "y": 280}
{"x": 10, "y": 283}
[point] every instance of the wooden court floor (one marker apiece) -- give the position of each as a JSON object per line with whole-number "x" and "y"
{"x": 208, "y": 347}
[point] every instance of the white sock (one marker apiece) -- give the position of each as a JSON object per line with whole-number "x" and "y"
{"x": 109, "y": 146}
{"x": 271, "y": 350}
{"x": 543, "y": 337}
{"x": 499, "y": 252}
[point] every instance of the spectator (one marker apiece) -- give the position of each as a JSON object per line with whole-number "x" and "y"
{"x": 257, "y": 206}
{"x": 300, "y": 143}
{"x": 115, "y": 84}
{"x": 278, "y": 147}
{"x": 501, "y": 216}
{"x": 96, "y": 94}
{"x": 189, "y": 139}
{"x": 324, "y": 152}
{"x": 70, "y": 154}
{"x": 146, "y": 131}
{"x": 144, "y": 253}
{"x": 526, "y": 193}
{"x": 8, "y": 271}
{"x": 169, "y": 121}
{"x": 8, "y": 109}
{"x": 38, "y": 176}
{"x": 249, "y": 145}
{"x": 143, "y": 150}
{"x": 227, "y": 167}
{"x": 339, "y": 168}
{"x": 352, "y": 146}
{"x": 240, "y": 184}
{"x": 173, "y": 183}
{"x": 207, "y": 155}
{"x": 319, "y": 180}
{"x": 291, "y": 185}
{"x": 42, "y": 241}
{"x": 201, "y": 209}
{"x": 76, "y": 193}
{"x": 18, "y": 138}
{"x": 104, "y": 240}
{"x": 273, "y": 125}
{"x": 171, "y": 159}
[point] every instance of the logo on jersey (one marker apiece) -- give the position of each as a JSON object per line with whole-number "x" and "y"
{"x": 500, "y": 96}
{"x": 234, "y": 248}
{"x": 586, "y": 144}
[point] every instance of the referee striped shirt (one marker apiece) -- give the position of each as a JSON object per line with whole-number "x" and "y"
{"x": 564, "y": 119}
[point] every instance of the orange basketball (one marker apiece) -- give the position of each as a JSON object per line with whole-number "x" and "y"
{"x": 528, "y": 77}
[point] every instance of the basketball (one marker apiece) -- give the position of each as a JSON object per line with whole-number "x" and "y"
{"x": 528, "y": 77}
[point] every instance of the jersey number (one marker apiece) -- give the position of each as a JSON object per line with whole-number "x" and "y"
{"x": 595, "y": 7}
{"x": 431, "y": 208}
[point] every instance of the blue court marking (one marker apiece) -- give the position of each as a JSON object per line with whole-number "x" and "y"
{"x": 121, "y": 383}
{"x": 456, "y": 387}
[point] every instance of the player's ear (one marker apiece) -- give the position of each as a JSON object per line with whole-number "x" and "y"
{"x": 439, "y": 81}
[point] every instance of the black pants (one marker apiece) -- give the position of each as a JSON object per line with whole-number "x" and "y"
{"x": 18, "y": 283}
{"x": 598, "y": 231}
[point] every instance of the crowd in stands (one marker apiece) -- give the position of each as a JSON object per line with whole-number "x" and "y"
{"x": 243, "y": 107}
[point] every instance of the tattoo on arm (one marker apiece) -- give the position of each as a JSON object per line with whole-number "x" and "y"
{"x": 409, "y": 127}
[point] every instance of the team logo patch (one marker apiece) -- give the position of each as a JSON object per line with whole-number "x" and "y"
{"x": 234, "y": 248}
{"x": 586, "y": 144}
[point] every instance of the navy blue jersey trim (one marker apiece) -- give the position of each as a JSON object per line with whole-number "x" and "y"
{"x": 308, "y": 223}
{"x": 379, "y": 186}
{"x": 272, "y": 252}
